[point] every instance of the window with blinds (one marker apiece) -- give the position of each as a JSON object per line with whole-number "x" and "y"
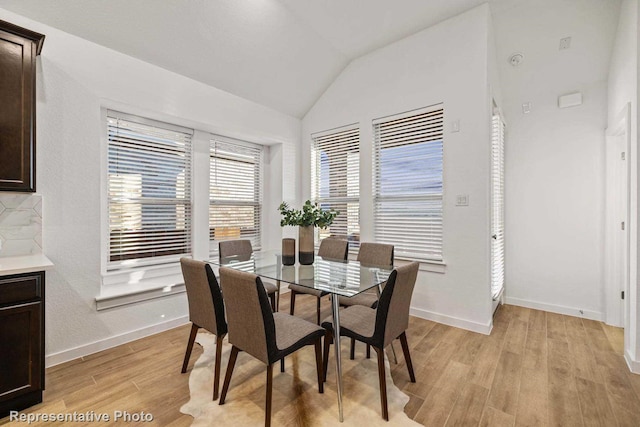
{"x": 335, "y": 180}
{"x": 235, "y": 196}
{"x": 497, "y": 206}
{"x": 408, "y": 156}
{"x": 149, "y": 191}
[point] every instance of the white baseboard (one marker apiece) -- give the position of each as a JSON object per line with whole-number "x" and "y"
{"x": 553, "y": 308}
{"x": 634, "y": 365}
{"x": 94, "y": 347}
{"x": 453, "y": 321}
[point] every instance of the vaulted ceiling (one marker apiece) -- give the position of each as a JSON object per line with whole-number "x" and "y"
{"x": 280, "y": 53}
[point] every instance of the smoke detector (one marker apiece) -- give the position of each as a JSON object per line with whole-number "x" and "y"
{"x": 516, "y": 59}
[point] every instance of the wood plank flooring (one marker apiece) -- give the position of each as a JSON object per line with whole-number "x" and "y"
{"x": 535, "y": 369}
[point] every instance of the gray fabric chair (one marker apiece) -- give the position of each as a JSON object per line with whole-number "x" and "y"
{"x": 243, "y": 247}
{"x": 379, "y": 326}
{"x": 265, "y": 335}
{"x": 330, "y": 248}
{"x": 370, "y": 254}
{"x": 206, "y": 310}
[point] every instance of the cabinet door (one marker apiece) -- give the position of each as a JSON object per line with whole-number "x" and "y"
{"x": 17, "y": 113}
{"x": 20, "y": 350}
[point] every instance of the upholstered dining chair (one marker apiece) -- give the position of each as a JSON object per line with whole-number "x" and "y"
{"x": 370, "y": 254}
{"x": 265, "y": 335}
{"x": 332, "y": 249}
{"x": 242, "y": 247}
{"x": 206, "y": 310}
{"x": 379, "y": 326}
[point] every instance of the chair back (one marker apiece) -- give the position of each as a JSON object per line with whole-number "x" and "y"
{"x": 206, "y": 308}
{"x": 334, "y": 249}
{"x": 235, "y": 247}
{"x": 249, "y": 317}
{"x": 378, "y": 254}
{"x": 392, "y": 315}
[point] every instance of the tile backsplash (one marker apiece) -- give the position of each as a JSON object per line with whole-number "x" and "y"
{"x": 20, "y": 224}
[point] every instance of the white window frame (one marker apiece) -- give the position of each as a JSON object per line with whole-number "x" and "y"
{"x": 259, "y": 152}
{"x": 352, "y": 196}
{"x": 114, "y": 266}
{"x": 406, "y": 245}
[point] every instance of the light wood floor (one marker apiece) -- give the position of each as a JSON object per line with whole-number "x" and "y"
{"x": 535, "y": 369}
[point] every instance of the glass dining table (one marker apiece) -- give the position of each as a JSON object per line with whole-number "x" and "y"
{"x": 336, "y": 277}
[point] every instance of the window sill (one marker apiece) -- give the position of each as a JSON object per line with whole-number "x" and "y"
{"x": 439, "y": 267}
{"x": 136, "y": 285}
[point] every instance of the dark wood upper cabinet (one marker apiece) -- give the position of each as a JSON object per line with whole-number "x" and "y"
{"x": 18, "y": 50}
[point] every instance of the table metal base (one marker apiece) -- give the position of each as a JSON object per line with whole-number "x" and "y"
{"x": 335, "y": 308}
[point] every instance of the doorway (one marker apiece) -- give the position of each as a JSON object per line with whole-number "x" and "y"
{"x": 497, "y": 208}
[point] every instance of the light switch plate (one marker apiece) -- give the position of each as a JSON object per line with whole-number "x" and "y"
{"x": 462, "y": 200}
{"x": 455, "y": 126}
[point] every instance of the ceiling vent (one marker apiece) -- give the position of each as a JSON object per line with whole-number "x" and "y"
{"x": 570, "y": 100}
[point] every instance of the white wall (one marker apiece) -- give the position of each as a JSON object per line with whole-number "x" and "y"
{"x": 445, "y": 64}
{"x": 623, "y": 90}
{"x": 75, "y": 79}
{"x": 554, "y": 193}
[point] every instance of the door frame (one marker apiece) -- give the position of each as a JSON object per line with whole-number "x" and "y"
{"x": 617, "y": 314}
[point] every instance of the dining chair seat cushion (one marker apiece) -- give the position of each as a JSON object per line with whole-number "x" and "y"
{"x": 356, "y": 321}
{"x": 270, "y": 288}
{"x": 367, "y": 299}
{"x": 307, "y": 290}
{"x": 293, "y": 333}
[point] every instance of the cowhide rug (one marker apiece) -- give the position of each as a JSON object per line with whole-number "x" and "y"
{"x": 296, "y": 401}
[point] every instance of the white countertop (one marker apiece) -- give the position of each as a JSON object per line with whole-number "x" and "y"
{"x": 24, "y": 264}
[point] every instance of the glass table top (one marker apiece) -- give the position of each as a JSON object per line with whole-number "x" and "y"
{"x": 346, "y": 278}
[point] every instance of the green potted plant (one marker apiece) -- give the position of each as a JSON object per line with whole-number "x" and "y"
{"x": 310, "y": 216}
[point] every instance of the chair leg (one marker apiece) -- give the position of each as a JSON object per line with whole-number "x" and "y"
{"x": 267, "y": 405}
{"x": 192, "y": 339}
{"x": 216, "y": 374}
{"x": 319, "y": 363}
{"x": 328, "y": 339}
{"x": 407, "y": 356}
{"x": 383, "y": 383}
{"x": 272, "y": 297}
{"x": 293, "y": 302}
{"x": 352, "y": 352}
{"x": 227, "y": 378}
{"x": 282, "y": 365}
{"x": 368, "y": 351}
{"x": 393, "y": 351}
{"x": 318, "y": 311}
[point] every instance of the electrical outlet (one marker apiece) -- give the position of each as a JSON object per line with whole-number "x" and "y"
{"x": 462, "y": 200}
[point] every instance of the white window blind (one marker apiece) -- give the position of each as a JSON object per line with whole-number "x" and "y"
{"x": 235, "y": 196}
{"x": 335, "y": 180}
{"x": 149, "y": 191}
{"x": 497, "y": 206}
{"x": 408, "y": 151}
